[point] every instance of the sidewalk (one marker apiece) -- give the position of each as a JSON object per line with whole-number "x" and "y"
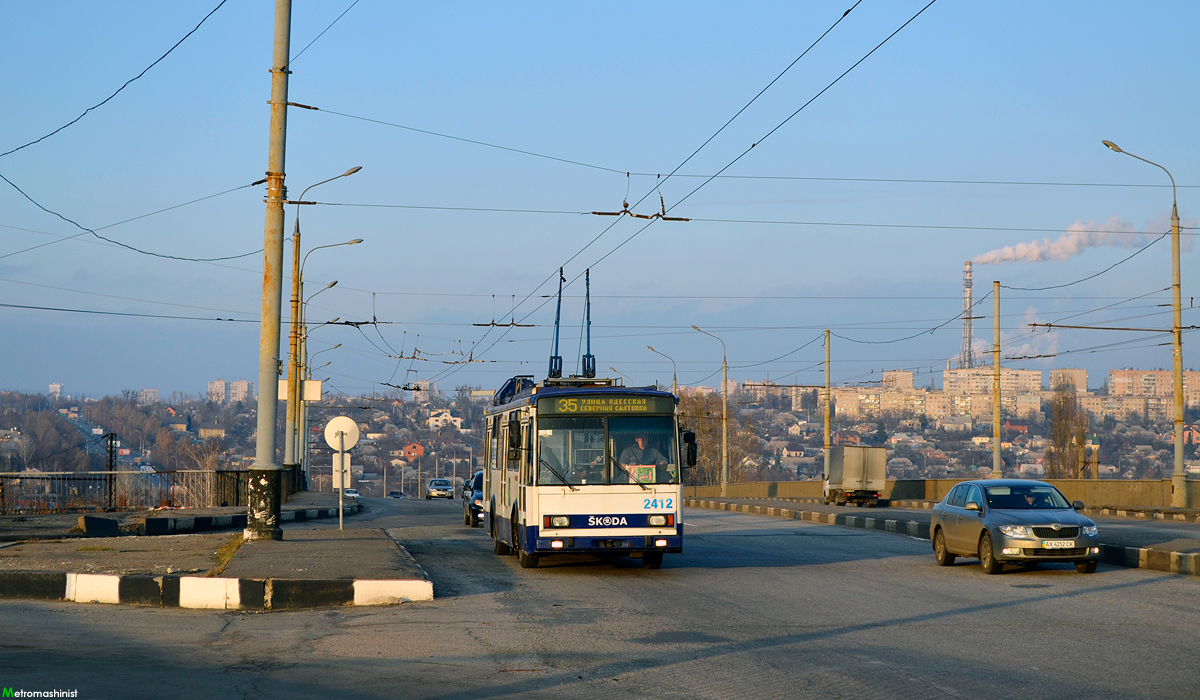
{"x": 305, "y": 505}
{"x": 1135, "y": 543}
{"x": 308, "y": 568}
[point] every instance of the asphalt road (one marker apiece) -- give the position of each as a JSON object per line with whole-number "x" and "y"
{"x": 756, "y": 607}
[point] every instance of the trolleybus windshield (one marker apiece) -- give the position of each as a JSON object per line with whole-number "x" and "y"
{"x": 607, "y": 450}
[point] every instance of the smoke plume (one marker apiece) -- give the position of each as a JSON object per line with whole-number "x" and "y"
{"x": 1079, "y": 236}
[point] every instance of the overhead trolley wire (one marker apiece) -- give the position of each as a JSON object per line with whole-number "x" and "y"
{"x": 85, "y": 229}
{"x": 118, "y": 223}
{"x": 776, "y": 128}
{"x": 118, "y": 91}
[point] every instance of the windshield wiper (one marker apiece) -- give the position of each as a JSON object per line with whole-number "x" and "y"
{"x": 555, "y": 472}
{"x": 631, "y": 476}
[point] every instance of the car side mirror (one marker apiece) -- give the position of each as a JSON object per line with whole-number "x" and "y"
{"x": 972, "y": 505}
{"x": 1078, "y": 505}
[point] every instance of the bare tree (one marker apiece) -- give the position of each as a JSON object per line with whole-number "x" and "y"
{"x": 26, "y": 446}
{"x": 1068, "y": 434}
{"x": 701, "y": 413}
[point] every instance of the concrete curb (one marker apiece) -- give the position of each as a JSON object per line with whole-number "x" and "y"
{"x": 208, "y": 523}
{"x": 201, "y": 592}
{"x": 1186, "y": 563}
{"x": 911, "y": 528}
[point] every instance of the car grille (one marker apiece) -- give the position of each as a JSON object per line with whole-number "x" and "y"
{"x": 1076, "y": 552}
{"x": 1049, "y": 533}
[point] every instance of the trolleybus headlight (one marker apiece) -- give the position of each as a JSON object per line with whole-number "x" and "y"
{"x": 558, "y": 521}
{"x": 556, "y": 544}
{"x": 657, "y": 520}
{"x": 660, "y": 543}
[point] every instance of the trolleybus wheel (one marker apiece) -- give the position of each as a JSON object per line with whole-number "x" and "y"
{"x": 527, "y": 560}
{"x": 652, "y": 560}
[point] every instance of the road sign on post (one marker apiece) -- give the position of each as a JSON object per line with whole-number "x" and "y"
{"x": 341, "y": 433}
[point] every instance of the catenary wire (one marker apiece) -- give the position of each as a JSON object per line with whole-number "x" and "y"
{"x": 123, "y": 86}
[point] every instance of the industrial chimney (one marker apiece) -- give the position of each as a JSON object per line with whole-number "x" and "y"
{"x": 966, "y": 356}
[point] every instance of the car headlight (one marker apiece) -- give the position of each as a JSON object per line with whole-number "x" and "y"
{"x": 1091, "y": 530}
{"x": 1015, "y": 530}
{"x": 479, "y": 502}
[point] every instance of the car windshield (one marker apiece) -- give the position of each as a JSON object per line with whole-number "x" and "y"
{"x": 599, "y": 450}
{"x": 439, "y": 483}
{"x": 477, "y": 482}
{"x": 1035, "y": 496}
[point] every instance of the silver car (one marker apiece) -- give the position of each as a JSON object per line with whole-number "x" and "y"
{"x": 1013, "y": 521}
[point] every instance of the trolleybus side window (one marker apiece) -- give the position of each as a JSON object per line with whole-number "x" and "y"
{"x": 513, "y": 443}
{"x": 493, "y": 442}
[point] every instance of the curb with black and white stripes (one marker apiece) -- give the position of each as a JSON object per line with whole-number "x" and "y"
{"x": 1187, "y": 563}
{"x": 203, "y": 592}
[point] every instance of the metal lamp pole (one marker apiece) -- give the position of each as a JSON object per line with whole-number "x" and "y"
{"x": 294, "y": 387}
{"x": 290, "y": 438}
{"x": 674, "y": 370}
{"x": 724, "y": 413}
{"x": 1178, "y": 483}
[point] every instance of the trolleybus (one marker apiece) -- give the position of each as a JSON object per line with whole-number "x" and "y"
{"x": 581, "y": 465}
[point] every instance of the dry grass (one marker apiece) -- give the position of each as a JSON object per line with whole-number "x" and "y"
{"x": 95, "y": 549}
{"x": 224, "y": 554}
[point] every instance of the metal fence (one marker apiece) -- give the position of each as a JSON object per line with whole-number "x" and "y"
{"x": 48, "y": 492}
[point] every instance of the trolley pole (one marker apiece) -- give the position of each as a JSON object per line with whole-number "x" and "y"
{"x": 265, "y": 493}
{"x": 997, "y": 460}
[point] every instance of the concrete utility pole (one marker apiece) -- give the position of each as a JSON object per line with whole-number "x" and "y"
{"x": 265, "y": 492}
{"x": 828, "y": 400}
{"x": 997, "y": 460}
{"x": 1179, "y": 497}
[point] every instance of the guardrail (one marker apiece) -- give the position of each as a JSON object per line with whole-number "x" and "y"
{"x": 49, "y": 492}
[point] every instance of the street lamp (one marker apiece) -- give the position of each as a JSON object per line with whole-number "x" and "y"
{"x": 289, "y": 436}
{"x": 1178, "y": 483}
{"x": 674, "y": 371}
{"x": 626, "y": 376}
{"x": 291, "y": 439}
{"x": 724, "y": 413}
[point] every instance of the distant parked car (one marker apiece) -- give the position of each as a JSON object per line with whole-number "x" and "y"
{"x": 395, "y": 494}
{"x": 1013, "y": 521}
{"x": 439, "y": 488}
{"x": 473, "y": 501}
{"x": 351, "y": 493}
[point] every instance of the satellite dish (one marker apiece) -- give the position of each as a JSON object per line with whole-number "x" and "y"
{"x": 345, "y": 425}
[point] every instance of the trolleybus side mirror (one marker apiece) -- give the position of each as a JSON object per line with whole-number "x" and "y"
{"x": 690, "y": 451}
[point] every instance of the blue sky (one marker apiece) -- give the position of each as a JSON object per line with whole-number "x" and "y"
{"x": 1018, "y": 92}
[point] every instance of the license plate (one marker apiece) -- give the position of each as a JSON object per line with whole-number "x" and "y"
{"x": 1058, "y": 544}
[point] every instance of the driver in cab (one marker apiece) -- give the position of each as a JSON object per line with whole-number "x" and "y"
{"x": 641, "y": 454}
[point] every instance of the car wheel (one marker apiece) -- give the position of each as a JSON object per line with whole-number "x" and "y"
{"x": 527, "y": 560}
{"x": 987, "y": 558}
{"x": 428, "y": 497}
{"x": 1086, "y": 567}
{"x": 652, "y": 560}
{"x": 940, "y": 553}
{"x": 467, "y": 516}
